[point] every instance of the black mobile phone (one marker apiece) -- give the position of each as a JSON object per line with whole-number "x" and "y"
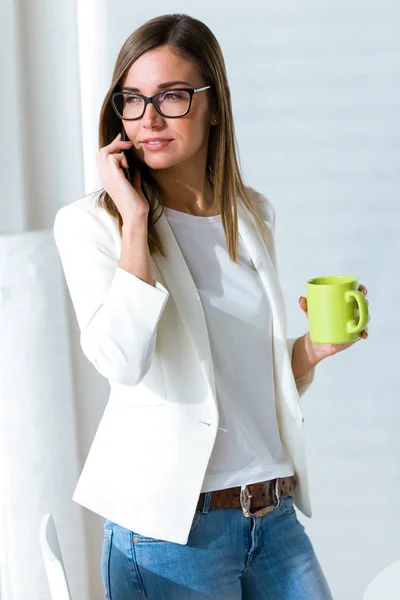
{"x": 123, "y": 139}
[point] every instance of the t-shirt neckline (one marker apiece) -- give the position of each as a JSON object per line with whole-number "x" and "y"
{"x": 178, "y": 215}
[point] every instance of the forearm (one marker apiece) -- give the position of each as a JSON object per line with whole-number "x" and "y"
{"x": 303, "y": 357}
{"x": 135, "y": 254}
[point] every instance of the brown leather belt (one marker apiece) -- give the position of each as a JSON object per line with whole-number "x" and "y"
{"x": 261, "y": 495}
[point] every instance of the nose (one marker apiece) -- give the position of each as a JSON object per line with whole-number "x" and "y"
{"x": 151, "y": 117}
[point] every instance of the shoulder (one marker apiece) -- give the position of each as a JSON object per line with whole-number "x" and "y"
{"x": 84, "y": 215}
{"x": 263, "y": 205}
{"x": 80, "y": 208}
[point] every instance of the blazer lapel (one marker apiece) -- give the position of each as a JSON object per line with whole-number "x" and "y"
{"x": 180, "y": 282}
{"x": 260, "y": 254}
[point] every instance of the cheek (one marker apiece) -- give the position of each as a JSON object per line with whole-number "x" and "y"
{"x": 195, "y": 132}
{"x": 131, "y": 130}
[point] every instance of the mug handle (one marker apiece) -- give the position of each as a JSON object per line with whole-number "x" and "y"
{"x": 362, "y": 307}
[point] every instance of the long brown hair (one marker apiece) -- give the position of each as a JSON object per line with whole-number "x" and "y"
{"x": 195, "y": 41}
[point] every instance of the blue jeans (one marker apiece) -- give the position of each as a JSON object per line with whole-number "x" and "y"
{"x": 228, "y": 557}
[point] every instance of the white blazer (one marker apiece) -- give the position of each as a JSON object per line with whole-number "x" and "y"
{"x": 148, "y": 459}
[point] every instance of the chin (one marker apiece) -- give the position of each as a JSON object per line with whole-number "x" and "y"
{"x": 161, "y": 162}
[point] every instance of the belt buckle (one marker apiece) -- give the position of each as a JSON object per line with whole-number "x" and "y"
{"x": 245, "y": 501}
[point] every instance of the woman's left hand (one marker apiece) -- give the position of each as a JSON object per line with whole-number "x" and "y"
{"x": 321, "y": 351}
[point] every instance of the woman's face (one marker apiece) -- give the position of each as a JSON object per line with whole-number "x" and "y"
{"x": 189, "y": 134}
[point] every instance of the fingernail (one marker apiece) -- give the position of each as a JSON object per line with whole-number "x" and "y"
{"x": 119, "y": 135}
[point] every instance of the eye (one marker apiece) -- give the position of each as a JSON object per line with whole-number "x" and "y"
{"x": 171, "y": 96}
{"x": 132, "y": 99}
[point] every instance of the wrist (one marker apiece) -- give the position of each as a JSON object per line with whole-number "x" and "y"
{"x": 311, "y": 350}
{"x": 135, "y": 224}
{"x": 304, "y": 358}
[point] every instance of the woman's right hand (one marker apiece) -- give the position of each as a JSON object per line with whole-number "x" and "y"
{"x": 128, "y": 198}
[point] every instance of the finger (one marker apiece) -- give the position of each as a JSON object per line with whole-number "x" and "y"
{"x": 124, "y": 161}
{"x": 115, "y": 146}
{"x": 363, "y": 289}
{"x": 103, "y": 154}
{"x": 116, "y": 143}
{"x": 115, "y": 160}
{"x": 121, "y": 158}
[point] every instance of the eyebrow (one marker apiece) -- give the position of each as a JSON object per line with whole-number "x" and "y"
{"x": 161, "y": 86}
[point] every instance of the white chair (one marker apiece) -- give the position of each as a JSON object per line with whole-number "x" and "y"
{"x": 386, "y": 585}
{"x": 53, "y": 560}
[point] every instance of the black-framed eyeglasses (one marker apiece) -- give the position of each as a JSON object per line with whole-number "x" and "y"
{"x": 172, "y": 104}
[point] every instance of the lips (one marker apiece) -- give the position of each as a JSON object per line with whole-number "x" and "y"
{"x": 154, "y": 140}
{"x": 156, "y": 144}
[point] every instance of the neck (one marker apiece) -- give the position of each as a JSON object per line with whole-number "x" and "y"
{"x": 187, "y": 189}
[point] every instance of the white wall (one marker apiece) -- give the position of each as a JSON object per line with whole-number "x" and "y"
{"x": 41, "y": 154}
{"x": 316, "y": 90}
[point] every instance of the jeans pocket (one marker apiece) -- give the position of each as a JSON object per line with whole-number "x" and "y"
{"x": 287, "y": 504}
{"x": 105, "y": 562}
{"x": 137, "y": 538}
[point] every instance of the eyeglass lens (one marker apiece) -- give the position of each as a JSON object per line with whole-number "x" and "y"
{"x": 170, "y": 103}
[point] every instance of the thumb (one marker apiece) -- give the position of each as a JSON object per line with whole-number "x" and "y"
{"x": 303, "y": 303}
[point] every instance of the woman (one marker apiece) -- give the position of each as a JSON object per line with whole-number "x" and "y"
{"x": 199, "y": 456}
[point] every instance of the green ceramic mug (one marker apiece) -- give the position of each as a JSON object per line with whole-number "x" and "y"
{"x": 333, "y": 302}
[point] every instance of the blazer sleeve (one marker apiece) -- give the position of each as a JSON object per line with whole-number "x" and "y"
{"x": 268, "y": 214}
{"x": 117, "y": 312}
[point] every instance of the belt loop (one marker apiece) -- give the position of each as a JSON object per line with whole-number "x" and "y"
{"x": 278, "y": 491}
{"x": 207, "y": 502}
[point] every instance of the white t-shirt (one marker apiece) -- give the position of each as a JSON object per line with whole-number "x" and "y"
{"x": 248, "y": 447}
